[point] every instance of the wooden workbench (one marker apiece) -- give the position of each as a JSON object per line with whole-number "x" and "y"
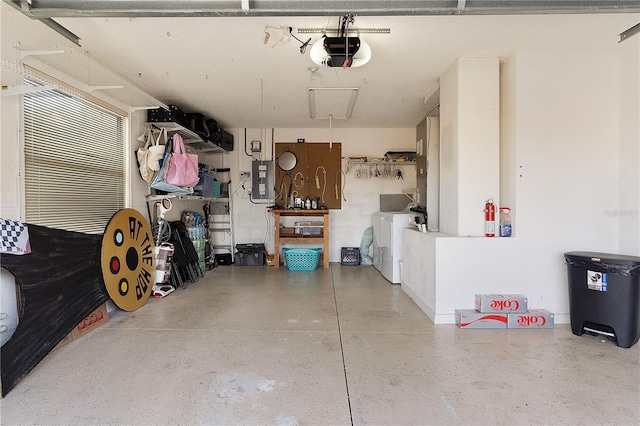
{"x": 280, "y": 237}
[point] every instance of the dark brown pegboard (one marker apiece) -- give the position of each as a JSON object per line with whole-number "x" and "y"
{"x": 312, "y": 158}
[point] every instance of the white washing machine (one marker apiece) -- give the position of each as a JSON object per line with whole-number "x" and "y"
{"x": 387, "y": 242}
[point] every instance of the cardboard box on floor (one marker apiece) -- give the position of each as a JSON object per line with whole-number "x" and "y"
{"x": 534, "y": 318}
{"x": 501, "y": 303}
{"x": 470, "y": 318}
{"x": 94, "y": 320}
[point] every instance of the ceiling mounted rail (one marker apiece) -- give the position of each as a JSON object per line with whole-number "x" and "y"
{"x": 46, "y": 9}
{"x": 24, "y": 6}
{"x": 629, "y": 33}
{"x": 349, "y": 31}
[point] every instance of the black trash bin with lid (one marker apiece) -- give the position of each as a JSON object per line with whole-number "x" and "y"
{"x": 604, "y": 295}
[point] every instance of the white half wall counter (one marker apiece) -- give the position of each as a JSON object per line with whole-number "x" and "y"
{"x": 443, "y": 272}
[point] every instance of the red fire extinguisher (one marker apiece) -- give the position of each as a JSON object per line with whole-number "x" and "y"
{"x": 490, "y": 218}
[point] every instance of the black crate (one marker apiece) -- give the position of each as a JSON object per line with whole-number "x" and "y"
{"x": 223, "y": 259}
{"x": 350, "y": 256}
{"x": 250, "y": 254}
{"x": 173, "y": 115}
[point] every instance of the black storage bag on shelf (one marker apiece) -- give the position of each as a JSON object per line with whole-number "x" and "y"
{"x": 212, "y": 127}
{"x": 198, "y": 125}
{"x": 161, "y": 115}
{"x": 226, "y": 140}
{"x": 218, "y": 136}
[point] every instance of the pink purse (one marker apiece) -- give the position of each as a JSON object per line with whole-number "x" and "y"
{"x": 183, "y": 167}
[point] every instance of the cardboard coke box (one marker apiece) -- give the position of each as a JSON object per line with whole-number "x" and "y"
{"x": 94, "y": 320}
{"x": 535, "y": 318}
{"x": 501, "y": 303}
{"x": 469, "y": 318}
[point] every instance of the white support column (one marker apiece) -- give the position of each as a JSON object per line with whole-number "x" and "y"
{"x": 469, "y": 144}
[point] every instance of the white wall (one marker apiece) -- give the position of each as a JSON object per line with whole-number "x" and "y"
{"x": 450, "y": 270}
{"x": 10, "y": 180}
{"x": 432, "y": 148}
{"x": 565, "y": 140}
{"x": 508, "y": 168}
{"x": 629, "y": 208}
{"x": 469, "y": 156}
{"x": 567, "y": 148}
{"x": 348, "y": 224}
{"x": 138, "y": 188}
{"x": 419, "y": 281}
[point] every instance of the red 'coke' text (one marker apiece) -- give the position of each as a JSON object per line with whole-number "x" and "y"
{"x": 531, "y": 320}
{"x": 505, "y": 305}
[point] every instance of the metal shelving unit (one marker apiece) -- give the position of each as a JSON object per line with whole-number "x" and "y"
{"x": 220, "y": 222}
{"x": 374, "y": 168}
{"x": 190, "y": 138}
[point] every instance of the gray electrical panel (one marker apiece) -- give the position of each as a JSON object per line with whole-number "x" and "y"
{"x": 262, "y": 180}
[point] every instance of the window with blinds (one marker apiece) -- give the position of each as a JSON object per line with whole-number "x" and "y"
{"x": 75, "y": 162}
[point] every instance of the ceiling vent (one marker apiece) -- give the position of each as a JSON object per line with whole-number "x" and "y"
{"x": 332, "y": 102}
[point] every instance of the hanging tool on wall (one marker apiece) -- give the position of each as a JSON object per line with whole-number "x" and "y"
{"x": 344, "y": 182}
{"x": 324, "y": 186}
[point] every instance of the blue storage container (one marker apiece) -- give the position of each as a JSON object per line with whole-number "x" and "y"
{"x": 207, "y": 186}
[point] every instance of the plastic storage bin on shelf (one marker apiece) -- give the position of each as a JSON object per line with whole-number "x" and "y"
{"x": 208, "y": 186}
{"x": 308, "y": 228}
{"x": 604, "y": 295}
{"x": 301, "y": 259}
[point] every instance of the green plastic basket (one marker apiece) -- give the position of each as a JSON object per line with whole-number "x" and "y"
{"x": 301, "y": 259}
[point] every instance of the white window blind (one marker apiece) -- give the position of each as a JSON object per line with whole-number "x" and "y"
{"x": 75, "y": 162}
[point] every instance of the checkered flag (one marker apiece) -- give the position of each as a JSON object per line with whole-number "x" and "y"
{"x": 14, "y": 236}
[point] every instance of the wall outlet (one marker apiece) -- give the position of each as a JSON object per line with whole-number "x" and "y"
{"x": 245, "y": 176}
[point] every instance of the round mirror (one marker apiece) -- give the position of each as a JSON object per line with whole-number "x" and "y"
{"x": 287, "y": 161}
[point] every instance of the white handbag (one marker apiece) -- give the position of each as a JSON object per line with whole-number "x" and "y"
{"x": 156, "y": 151}
{"x": 142, "y": 155}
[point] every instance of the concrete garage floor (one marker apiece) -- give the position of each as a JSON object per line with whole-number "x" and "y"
{"x": 256, "y": 345}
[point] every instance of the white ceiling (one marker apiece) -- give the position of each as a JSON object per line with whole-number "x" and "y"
{"x": 221, "y": 67}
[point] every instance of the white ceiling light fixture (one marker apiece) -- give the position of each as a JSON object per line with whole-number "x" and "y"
{"x": 341, "y": 51}
{"x": 338, "y": 51}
